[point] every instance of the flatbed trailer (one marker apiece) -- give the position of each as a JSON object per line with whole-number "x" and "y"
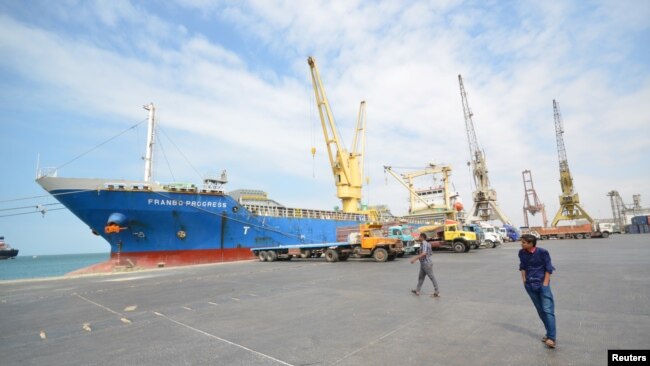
{"x": 333, "y": 252}
{"x": 365, "y": 240}
{"x": 585, "y": 231}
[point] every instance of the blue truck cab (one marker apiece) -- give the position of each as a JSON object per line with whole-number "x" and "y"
{"x": 403, "y": 233}
{"x": 512, "y": 232}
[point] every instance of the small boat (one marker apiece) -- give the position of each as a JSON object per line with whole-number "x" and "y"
{"x": 6, "y": 251}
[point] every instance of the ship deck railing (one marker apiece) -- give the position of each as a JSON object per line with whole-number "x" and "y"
{"x": 304, "y": 213}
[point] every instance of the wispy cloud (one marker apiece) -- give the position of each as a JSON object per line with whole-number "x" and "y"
{"x": 231, "y": 83}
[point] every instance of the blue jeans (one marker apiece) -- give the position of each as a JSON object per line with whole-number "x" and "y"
{"x": 543, "y": 301}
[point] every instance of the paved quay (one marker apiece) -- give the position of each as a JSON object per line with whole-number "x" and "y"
{"x": 309, "y": 312}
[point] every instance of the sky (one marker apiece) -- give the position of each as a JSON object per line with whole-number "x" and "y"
{"x": 232, "y": 89}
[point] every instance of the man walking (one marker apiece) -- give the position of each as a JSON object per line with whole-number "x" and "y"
{"x": 536, "y": 269}
{"x": 426, "y": 266}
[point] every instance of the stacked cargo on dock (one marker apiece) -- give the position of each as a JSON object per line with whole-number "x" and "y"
{"x": 640, "y": 225}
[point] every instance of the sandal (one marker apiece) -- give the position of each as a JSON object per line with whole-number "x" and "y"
{"x": 550, "y": 343}
{"x": 415, "y": 292}
{"x": 544, "y": 338}
{"x": 435, "y": 294}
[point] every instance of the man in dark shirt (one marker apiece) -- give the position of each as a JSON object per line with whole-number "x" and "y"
{"x": 536, "y": 269}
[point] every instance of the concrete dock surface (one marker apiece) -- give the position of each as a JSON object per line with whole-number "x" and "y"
{"x": 359, "y": 312}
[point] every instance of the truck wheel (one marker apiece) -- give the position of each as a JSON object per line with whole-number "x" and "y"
{"x": 489, "y": 244}
{"x": 580, "y": 236}
{"x": 271, "y": 256}
{"x": 262, "y": 256}
{"x": 305, "y": 253}
{"x": 331, "y": 255}
{"x": 587, "y": 236}
{"x": 544, "y": 237}
{"x": 356, "y": 252}
{"x": 380, "y": 255}
{"x": 459, "y": 247}
{"x": 467, "y": 248}
{"x": 605, "y": 234}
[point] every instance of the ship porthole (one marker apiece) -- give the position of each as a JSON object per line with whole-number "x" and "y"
{"x": 181, "y": 234}
{"x": 235, "y": 209}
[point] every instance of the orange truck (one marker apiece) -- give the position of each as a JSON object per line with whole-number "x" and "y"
{"x": 370, "y": 240}
{"x": 585, "y": 231}
{"x": 365, "y": 240}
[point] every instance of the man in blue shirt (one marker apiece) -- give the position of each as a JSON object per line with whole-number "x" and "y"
{"x": 536, "y": 269}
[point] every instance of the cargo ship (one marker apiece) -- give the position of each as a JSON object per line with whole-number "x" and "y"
{"x": 151, "y": 224}
{"x": 6, "y": 251}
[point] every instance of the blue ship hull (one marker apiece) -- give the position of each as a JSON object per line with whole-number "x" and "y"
{"x": 152, "y": 226}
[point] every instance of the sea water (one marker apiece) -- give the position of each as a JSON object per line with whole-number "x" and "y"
{"x": 24, "y": 267}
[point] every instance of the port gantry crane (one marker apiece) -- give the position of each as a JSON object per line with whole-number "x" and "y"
{"x": 485, "y": 206}
{"x": 618, "y": 208}
{"x": 530, "y": 195}
{"x": 347, "y": 167}
{"x": 570, "y": 208}
{"x": 406, "y": 179}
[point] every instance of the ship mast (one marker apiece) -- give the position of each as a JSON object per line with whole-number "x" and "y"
{"x": 148, "y": 160}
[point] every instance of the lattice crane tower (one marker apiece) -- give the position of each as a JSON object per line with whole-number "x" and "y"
{"x": 618, "y": 208}
{"x": 485, "y": 207}
{"x": 570, "y": 208}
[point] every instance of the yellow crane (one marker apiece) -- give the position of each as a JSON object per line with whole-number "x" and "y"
{"x": 406, "y": 179}
{"x": 570, "y": 208}
{"x": 347, "y": 167}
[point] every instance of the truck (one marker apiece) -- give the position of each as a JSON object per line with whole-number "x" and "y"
{"x": 450, "y": 236}
{"x": 366, "y": 240}
{"x": 526, "y": 230}
{"x": 512, "y": 232}
{"x": 487, "y": 239}
{"x": 503, "y": 233}
{"x": 585, "y": 231}
{"x": 403, "y": 233}
{"x": 476, "y": 229}
{"x": 492, "y": 237}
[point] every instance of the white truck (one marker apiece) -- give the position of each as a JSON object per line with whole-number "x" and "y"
{"x": 605, "y": 229}
{"x": 492, "y": 237}
{"x": 503, "y": 234}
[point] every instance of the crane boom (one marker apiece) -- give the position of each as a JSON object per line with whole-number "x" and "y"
{"x": 346, "y": 166}
{"x": 570, "y": 208}
{"x": 566, "y": 181}
{"x": 406, "y": 179}
{"x": 485, "y": 207}
{"x": 359, "y": 142}
{"x": 475, "y": 153}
